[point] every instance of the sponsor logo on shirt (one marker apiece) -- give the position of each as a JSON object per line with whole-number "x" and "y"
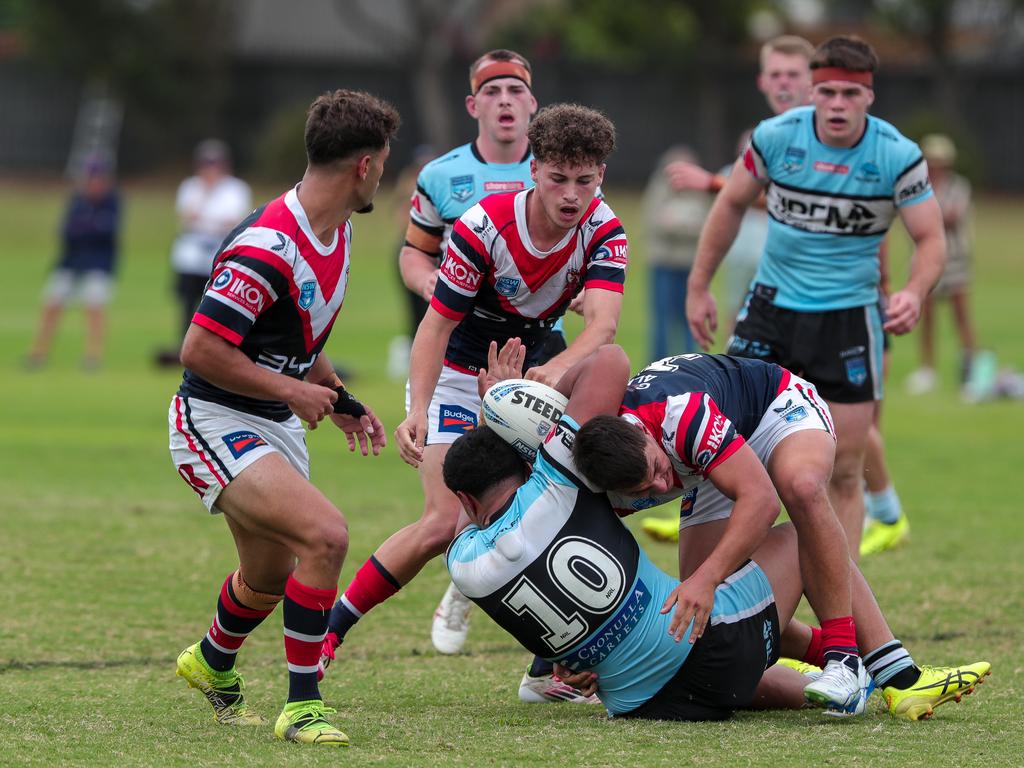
{"x": 307, "y": 292}
{"x": 821, "y": 165}
{"x": 503, "y": 186}
{"x": 240, "y": 443}
{"x": 507, "y": 286}
{"x": 237, "y": 287}
{"x": 462, "y": 188}
{"x": 460, "y": 274}
{"x": 615, "y": 253}
{"x": 455, "y": 418}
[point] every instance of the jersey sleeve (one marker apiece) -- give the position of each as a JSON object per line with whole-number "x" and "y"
{"x": 464, "y": 267}
{"x": 755, "y": 157}
{"x": 248, "y": 277}
{"x": 607, "y": 256}
{"x": 426, "y": 227}
{"x": 912, "y": 184}
{"x": 554, "y": 459}
{"x": 696, "y": 432}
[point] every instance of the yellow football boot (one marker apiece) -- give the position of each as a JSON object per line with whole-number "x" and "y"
{"x": 305, "y": 722}
{"x": 224, "y": 690}
{"x": 936, "y": 686}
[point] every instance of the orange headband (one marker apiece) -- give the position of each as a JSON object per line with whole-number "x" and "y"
{"x": 498, "y": 69}
{"x": 823, "y": 74}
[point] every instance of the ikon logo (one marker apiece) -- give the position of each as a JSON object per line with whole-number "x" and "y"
{"x": 461, "y": 275}
{"x": 242, "y": 291}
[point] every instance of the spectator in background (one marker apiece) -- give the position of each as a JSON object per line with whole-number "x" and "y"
{"x": 209, "y": 204}
{"x": 674, "y": 218}
{"x": 954, "y": 195}
{"x": 85, "y": 270}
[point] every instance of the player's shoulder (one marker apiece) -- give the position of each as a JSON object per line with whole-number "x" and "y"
{"x": 784, "y": 127}
{"x": 449, "y": 164}
{"x": 893, "y": 145}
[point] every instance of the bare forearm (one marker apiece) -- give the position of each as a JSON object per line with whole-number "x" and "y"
{"x": 425, "y": 362}
{"x": 927, "y": 264}
{"x": 229, "y": 368}
{"x": 323, "y": 373}
{"x": 598, "y": 332}
{"x": 747, "y": 527}
{"x": 417, "y": 269}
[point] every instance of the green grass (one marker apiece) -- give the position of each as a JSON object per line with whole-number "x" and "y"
{"x": 110, "y": 566}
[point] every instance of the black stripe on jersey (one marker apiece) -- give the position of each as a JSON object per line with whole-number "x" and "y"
{"x": 908, "y": 169}
{"x": 872, "y": 233}
{"x": 757, "y": 149}
{"x": 202, "y": 441}
{"x": 267, "y": 271}
{"x": 432, "y": 231}
{"x": 466, "y": 249}
{"x": 821, "y": 193}
{"x": 242, "y": 226}
{"x": 225, "y": 314}
{"x": 424, "y": 192}
{"x": 595, "y": 244}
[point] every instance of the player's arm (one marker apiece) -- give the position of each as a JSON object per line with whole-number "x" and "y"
{"x": 419, "y": 256}
{"x": 425, "y": 362}
{"x": 923, "y": 221}
{"x": 743, "y": 479}
{"x": 357, "y": 420}
{"x": 419, "y": 270}
{"x": 601, "y": 310}
{"x": 723, "y": 222}
{"x": 596, "y": 384}
{"x": 222, "y": 363}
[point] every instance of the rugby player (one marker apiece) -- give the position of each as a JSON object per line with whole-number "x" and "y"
{"x": 835, "y": 178}
{"x": 549, "y": 560}
{"x": 254, "y": 371}
{"x": 513, "y": 264}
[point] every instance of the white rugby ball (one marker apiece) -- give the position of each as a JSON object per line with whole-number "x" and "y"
{"x": 522, "y": 413}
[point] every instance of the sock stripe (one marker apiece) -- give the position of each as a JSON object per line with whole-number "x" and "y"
{"x": 348, "y": 604}
{"x": 384, "y": 572}
{"x": 221, "y": 648}
{"x": 304, "y": 637}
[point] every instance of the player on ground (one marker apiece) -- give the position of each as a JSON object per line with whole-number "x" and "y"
{"x": 835, "y": 179}
{"x": 513, "y": 264}
{"x": 548, "y": 559}
{"x": 254, "y": 371}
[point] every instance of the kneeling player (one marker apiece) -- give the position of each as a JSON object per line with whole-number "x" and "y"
{"x": 550, "y": 561}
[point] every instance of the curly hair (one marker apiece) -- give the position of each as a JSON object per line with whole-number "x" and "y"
{"x": 846, "y": 51}
{"x": 342, "y": 122}
{"x": 611, "y": 453}
{"x": 570, "y": 134}
{"x": 478, "y": 461}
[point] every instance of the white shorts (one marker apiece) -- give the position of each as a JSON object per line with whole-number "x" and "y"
{"x": 93, "y": 288}
{"x": 791, "y": 412}
{"x": 211, "y": 444}
{"x": 454, "y": 408}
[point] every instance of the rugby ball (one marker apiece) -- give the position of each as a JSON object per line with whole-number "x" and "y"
{"x": 522, "y": 413}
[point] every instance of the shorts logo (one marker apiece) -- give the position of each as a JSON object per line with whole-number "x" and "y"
{"x": 507, "y": 286}
{"x": 462, "y": 188}
{"x": 455, "y": 418}
{"x": 240, "y": 443}
{"x": 686, "y": 505}
{"x": 307, "y": 292}
{"x": 223, "y": 279}
{"x": 790, "y": 413}
{"x": 856, "y": 370}
{"x": 793, "y": 159}
{"x": 645, "y": 503}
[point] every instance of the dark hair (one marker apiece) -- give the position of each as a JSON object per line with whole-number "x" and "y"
{"x": 845, "y": 51}
{"x": 610, "y": 452}
{"x": 479, "y": 460}
{"x": 340, "y": 123}
{"x": 571, "y": 134}
{"x": 498, "y": 54}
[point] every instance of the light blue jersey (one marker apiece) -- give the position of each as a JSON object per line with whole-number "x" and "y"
{"x": 830, "y": 208}
{"x": 559, "y": 571}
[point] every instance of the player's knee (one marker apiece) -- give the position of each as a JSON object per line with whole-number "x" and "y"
{"x": 806, "y": 490}
{"x": 327, "y": 543}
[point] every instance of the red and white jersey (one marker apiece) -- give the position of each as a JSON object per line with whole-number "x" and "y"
{"x": 499, "y": 285}
{"x": 275, "y": 292}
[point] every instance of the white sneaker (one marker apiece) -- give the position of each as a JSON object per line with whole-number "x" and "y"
{"x": 840, "y": 690}
{"x": 921, "y": 381}
{"x": 451, "y": 622}
{"x": 545, "y": 689}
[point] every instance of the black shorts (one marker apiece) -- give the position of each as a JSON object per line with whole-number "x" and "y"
{"x": 839, "y": 351}
{"x": 721, "y": 673}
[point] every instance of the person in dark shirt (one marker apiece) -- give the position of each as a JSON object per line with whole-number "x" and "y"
{"x": 85, "y": 270}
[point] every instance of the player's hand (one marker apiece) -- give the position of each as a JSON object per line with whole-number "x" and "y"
{"x": 683, "y": 175}
{"x": 902, "y": 312}
{"x": 410, "y": 436}
{"x": 702, "y": 315}
{"x": 506, "y": 364}
{"x": 693, "y": 600}
{"x": 576, "y": 305}
{"x": 366, "y": 430}
{"x": 585, "y": 682}
{"x": 427, "y": 289}
{"x": 311, "y": 402}
{"x": 550, "y": 373}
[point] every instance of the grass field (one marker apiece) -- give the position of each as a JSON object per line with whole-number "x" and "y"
{"x": 110, "y": 566}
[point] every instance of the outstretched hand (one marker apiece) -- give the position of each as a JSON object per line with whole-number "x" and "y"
{"x": 693, "y": 601}
{"x": 501, "y": 365}
{"x": 367, "y": 430}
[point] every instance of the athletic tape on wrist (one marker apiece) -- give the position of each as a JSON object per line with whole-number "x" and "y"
{"x": 346, "y": 404}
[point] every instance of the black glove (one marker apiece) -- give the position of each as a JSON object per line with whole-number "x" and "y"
{"x": 347, "y": 404}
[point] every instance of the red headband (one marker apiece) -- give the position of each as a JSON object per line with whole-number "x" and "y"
{"x": 823, "y": 74}
{"x": 498, "y": 69}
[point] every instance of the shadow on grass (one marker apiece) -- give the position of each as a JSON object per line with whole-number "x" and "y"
{"x": 30, "y": 665}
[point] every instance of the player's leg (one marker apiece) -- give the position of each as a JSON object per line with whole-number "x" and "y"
{"x": 58, "y": 291}
{"x": 271, "y": 500}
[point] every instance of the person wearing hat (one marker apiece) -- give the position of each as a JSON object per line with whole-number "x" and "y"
{"x": 953, "y": 192}
{"x": 209, "y": 204}
{"x": 88, "y": 257}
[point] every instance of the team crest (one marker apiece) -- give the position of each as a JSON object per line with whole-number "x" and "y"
{"x": 856, "y": 370}
{"x": 793, "y": 160}
{"x": 307, "y": 293}
{"x": 462, "y": 188}
{"x": 507, "y": 286}
{"x": 869, "y": 173}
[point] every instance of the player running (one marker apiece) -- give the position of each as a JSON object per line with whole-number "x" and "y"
{"x": 549, "y": 560}
{"x": 254, "y": 371}
{"x": 835, "y": 179}
{"x": 513, "y": 264}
